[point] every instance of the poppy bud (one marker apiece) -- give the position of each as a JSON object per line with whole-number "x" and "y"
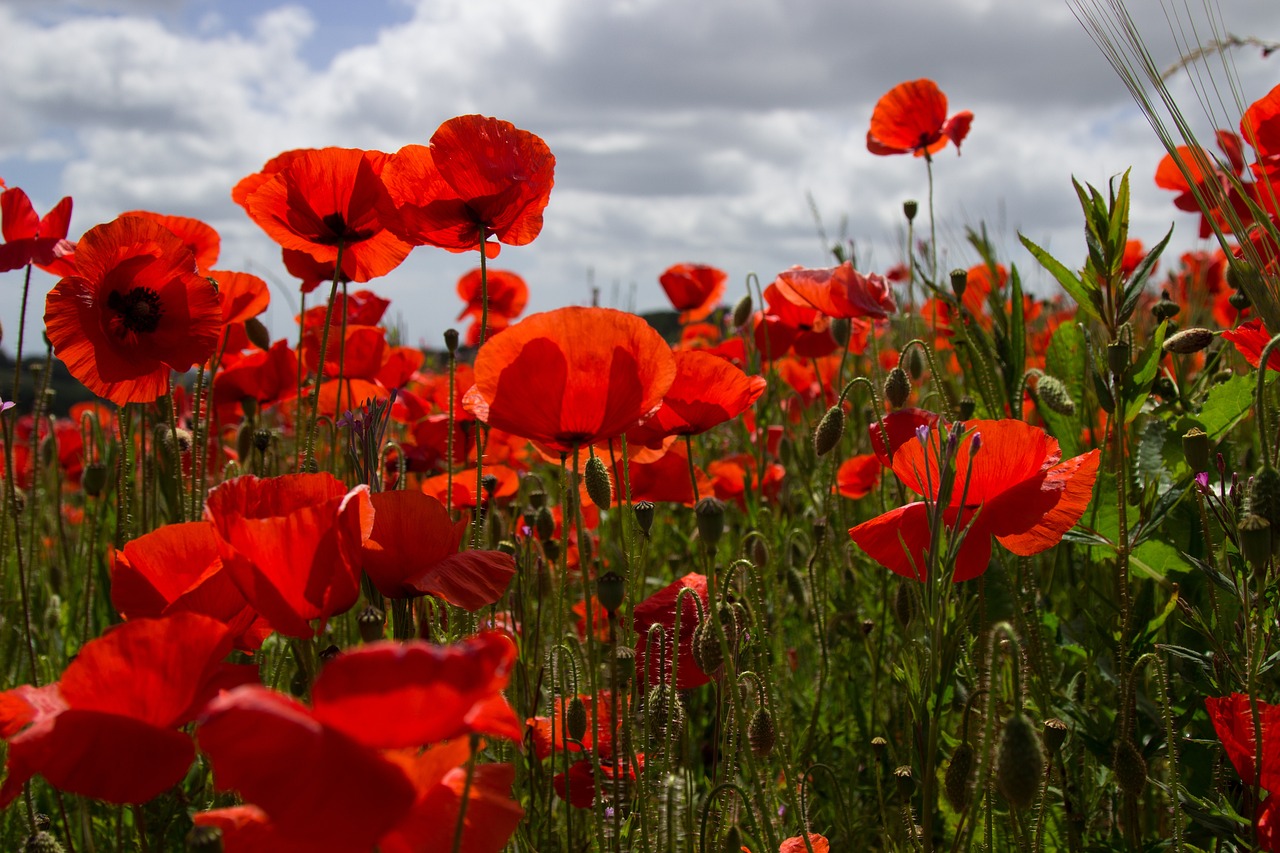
{"x": 959, "y": 773}
{"x": 1165, "y": 308}
{"x": 1118, "y": 357}
{"x": 257, "y": 333}
{"x": 904, "y": 604}
{"x": 575, "y": 719}
{"x": 244, "y": 440}
{"x": 371, "y": 623}
{"x": 1188, "y": 341}
{"x": 761, "y": 735}
{"x": 1242, "y": 275}
{"x": 1105, "y": 400}
{"x": 796, "y": 586}
{"x": 709, "y": 513}
{"x": 897, "y": 387}
{"x": 1054, "y": 396}
{"x": 611, "y": 589}
{"x": 732, "y": 840}
{"x": 742, "y": 312}
{"x": 905, "y": 781}
{"x": 841, "y": 330}
{"x": 967, "y": 407}
{"x": 1130, "y": 768}
{"x": 759, "y": 552}
{"x": 44, "y": 842}
{"x": 262, "y": 439}
{"x": 551, "y": 547}
{"x": 915, "y": 364}
{"x": 489, "y": 483}
{"x": 599, "y": 487}
{"x": 868, "y": 625}
{"x": 1055, "y": 732}
{"x": 94, "y": 479}
{"x": 451, "y": 340}
{"x": 661, "y": 707}
{"x": 644, "y": 516}
{"x": 204, "y": 839}
{"x": 910, "y": 208}
{"x": 1254, "y": 534}
{"x": 1020, "y": 761}
{"x": 545, "y": 525}
{"x": 624, "y": 664}
{"x": 829, "y": 431}
{"x": 1239, "y": 300}
{"x": 1164, "y": 388}
{"x": 1195, "y": 449}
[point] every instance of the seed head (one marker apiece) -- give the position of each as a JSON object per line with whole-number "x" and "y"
{"x": 1020, "y": 761}
{"x": 1188, "y": 341}
{"x": 1195, "y": 449}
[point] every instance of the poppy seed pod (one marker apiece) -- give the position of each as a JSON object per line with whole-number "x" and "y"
{"x": 1195, "y": 449}
{"x": 1130, "y": 768}
{"x": 829, "y": 431}
{"x": 371, "y": 623}
{"x": 644, "y": 516}
{"x": 897, "y": 387}
{"x": 1254, "y": 535}
{"x": 841, "y": 329}
{"x": 761, "y": 735}
{"x": 1165, "y": 308}
{"x": 94, "y": 479}
{"x": 599, "y": 487}
{"x": 624, "y": 663}
{"x": 1020, "y": 761}
{"x": 905, "y": 781}
{"x": 879, "y": 746}
{"x": 959, "y": 774}
{"x": 967, "y": 407}
{"x": 709, "y": 513}
{"x": 1118, "y": 357}
{"x": 959, "y": 282}
{"x": 1188, "y": 341}
{"x": 1055, "y": 733}
{"x": 611, "y": 589}
{"x": 742, "y": 311}
{"x": 910, "y": 208}
{"x": 575, "y": 719}
{"x": 545, "y": 524}
{"x": 1054, "y": 396}
{"x": 451, "y": 340}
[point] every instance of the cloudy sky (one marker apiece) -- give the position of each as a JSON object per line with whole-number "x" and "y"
{"x": 682, "y": 131}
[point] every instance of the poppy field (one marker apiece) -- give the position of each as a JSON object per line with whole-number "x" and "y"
{"x": 823, "y": 559}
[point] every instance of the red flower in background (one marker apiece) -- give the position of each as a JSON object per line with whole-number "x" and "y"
{"x": 318, "y": 200}
{"x": 134, "y": 310}
{"x": 1232, "y": 718}
{"x": 479, "y": 175}
{"x": 572, "y": 377}
{"x": 292, "y": 545}
{"x": 508, "y": 294}
{"x": 1019, "y": 489}
{"x": 269, "y": 377}
{"x": 28, "y": 239}
{"x": 413, "y": 550}
{"x": 1225, "y": 174}
{"x": 706, "y": 392}
{"x": 660, "y": 609}
{"x": 1260, "y": 127}
{"x": 857, "y": 476}
{"x": 109, "y": 729}
{"x": 1250, "y": 339}
{"x": 310, "y": 272}
{"x": 837, "y": 292}
{"x": 731, "y": 476}
{"x": 694, "y": 289}
{"x": 199, "y": 237}
{"x": 911, "y": 118}
{"x": 243, "y": 297}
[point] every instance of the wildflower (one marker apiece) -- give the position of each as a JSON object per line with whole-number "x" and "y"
{"x": 911, "y": 118}
{"x": 28, "y": 239}
{"x": 694, "y": 289}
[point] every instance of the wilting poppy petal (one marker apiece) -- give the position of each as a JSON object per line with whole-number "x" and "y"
{"x": 390, "y": 695}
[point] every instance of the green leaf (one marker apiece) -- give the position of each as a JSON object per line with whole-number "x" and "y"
{"x": 1067, "y": 360}
{"x": 1118, "y": 231}
{"x": 1150, "y": 458}
{"x": 1017, "y": 329}
{"x": 1085, "y": 293}
{"x": 1137, "y": 383}
{"x": 1138, "y": 280}
{"x": 1157, "y": 559}
{"x": 1226, "y": 404}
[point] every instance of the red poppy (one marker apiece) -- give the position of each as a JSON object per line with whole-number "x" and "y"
{"x": 1223, "y": 180}
{"x": 1260, "y": 126}
{"x": 508, "y": 294}
{"x": 838, "y": 291}
{"x": 1267, "y": 824}
{"x": 572, "y": 377}
{"x": 464, "y": 485}
{"x": 363, "y": 308}
{"x": 694, "y": 289}
{"x": 911, "y": 118}
{"x": 176, "y": 569}
{"x": 858, "y": 476}
{"x": 664, "y": 479}
{"x": 1250, "y": 339}
{"x": 200, "y": 238}
{"x": 1018, "y": 488}
{"x": 109, "y": 729}
{"x": 796, "y": 844}
{"x": 134, "y": 310}
{"x": 660, "y": 609}
{"x": 706, "y": 392}
{"x": 413, "y": 550}
{"x": 309, "y": 271}
{"x": 577, "y": 787}
{"x": 731, "y": 476}
{"x": 1232, "y": 718}
{"x": 389, "y": 695}
{"x": 243, "y": 297}
{"x": 324, "y": 199}
{"x": 901, "y": 425}
{"x": 269, "y": 377}
{"x": 478, "y": 175}
{"x": 29, "y": 239}
{"x": 292, "y": 545}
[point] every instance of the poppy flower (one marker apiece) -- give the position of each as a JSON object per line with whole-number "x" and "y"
{"x": 310, "y": 272}
{"x": 840, "y": 291}
{"x": 1232, "y": 718}
{"x": 901, "y": 425}
{"x": 572, "y": 377}
{"x": 548, "y": 738}
{"x": 134, "y": 310}
{"x": 694, "y": 289}
{"x": 706, "y": 392}
{"x": 1250, "y": 339}
{"x": 1017, "y": 486}
{"x": 28, "y": 239}
{"x": 464, "y": 485}
{"x": 324, "y": 199}
{"x": 363, "y": 308}
{"x": 292, "y": 545}
{"x": 413, "y": 550}
{"x": 110, "y": 728}
{"x": 731, "y": 476}
{"x": 508, "y": 294}
{"x": 200, "y": 238}
{"x": 857, "y": 476}
{"x": 664, "y": 479}
{"x": 1260, "y": 126}
{"x": 478, "y": 175}
{"x": 577, "y": 786}
{"x": 1222, "y": 181}
{"x": 268, "y": 377}
{"x": 911, "y": 118}
{"x": 176, "y": 569}
{"x": 660, "y": 609}
{"x": 796, "y": 844}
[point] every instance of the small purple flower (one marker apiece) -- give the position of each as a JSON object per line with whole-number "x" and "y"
{"x": 6, "y": 405}
{"x": 975, "y": 443}
{"x": 922, "y": 435}
{"x": 1202, "y": 481}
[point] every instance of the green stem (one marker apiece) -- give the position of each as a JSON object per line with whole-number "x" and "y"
{"x": 466, "y": 797}
{"x": 310, "y": 455}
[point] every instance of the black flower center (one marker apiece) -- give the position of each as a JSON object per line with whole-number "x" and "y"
{"x": 342, "y": 232}
{"x": 140, "y": 309}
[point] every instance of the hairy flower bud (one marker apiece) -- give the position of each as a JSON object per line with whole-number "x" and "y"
{"x": 897, "y": 387}
{"x": 742, "y": 312}
{"x": 1020, "y": 761}
{"x": 761, "y": 735}
{"x": 829, "y": 431}
{"x": 575, "y": 719}
{"x": 599, "y": 486}
{"x": 959, "y": 775}
{"x": 1188, "y": 341}
{"x": 1054, "y": 396}
{"x": 1130, "y": 768}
